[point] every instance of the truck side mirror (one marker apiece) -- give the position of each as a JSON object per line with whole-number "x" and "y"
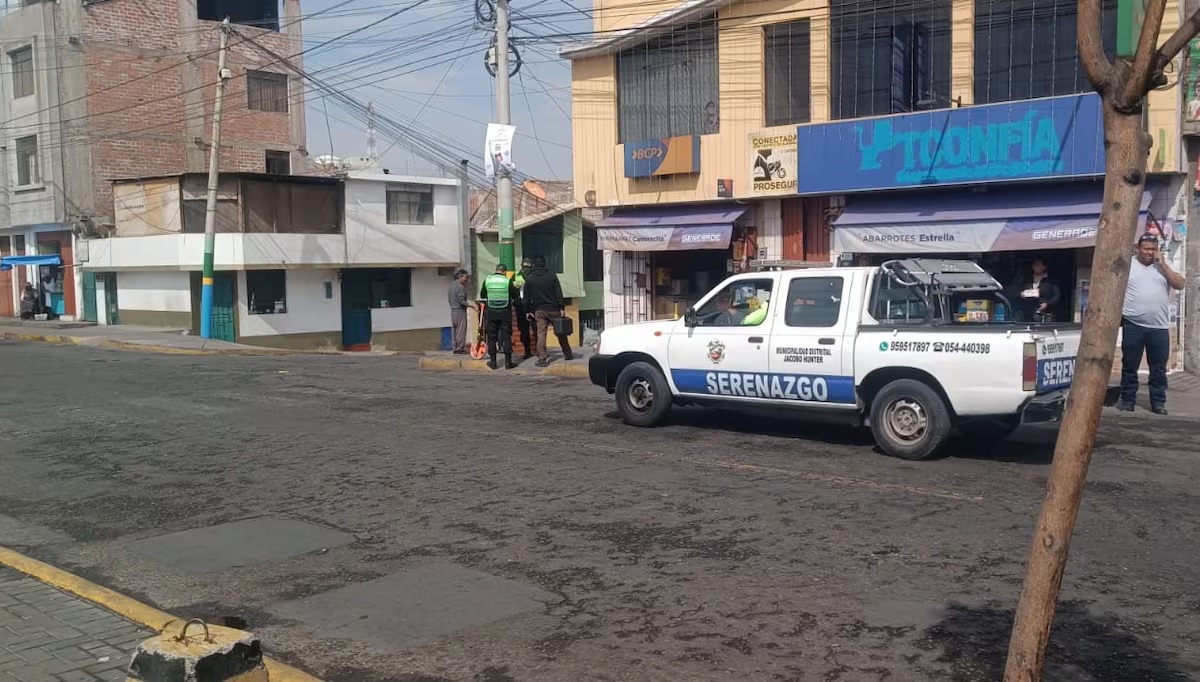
{"x": 689, "y": 318}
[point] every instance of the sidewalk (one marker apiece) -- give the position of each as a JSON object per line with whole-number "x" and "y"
{"x": 47, "y": 635}
{"x": 1183, "y": 398}
{"x": 132, "y": 337}
{"x": 577, "y": 368}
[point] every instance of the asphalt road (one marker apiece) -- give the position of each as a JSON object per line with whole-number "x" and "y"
{"x": 513, "y": 529}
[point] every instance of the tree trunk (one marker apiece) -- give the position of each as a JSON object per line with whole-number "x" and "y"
{"x": 1126, "y": 150}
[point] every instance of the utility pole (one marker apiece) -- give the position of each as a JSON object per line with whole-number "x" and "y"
{"x": 504, "y": 190}
{"x": 467, "y": 236}
{"x": 210, "y": 207}
{"x": 1123, "y": 85}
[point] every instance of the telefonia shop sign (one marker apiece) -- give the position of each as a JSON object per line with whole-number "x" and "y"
{"x": 1052, "y": 137}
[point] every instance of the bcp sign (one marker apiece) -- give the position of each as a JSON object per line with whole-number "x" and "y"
{"x": 668, "y": 156}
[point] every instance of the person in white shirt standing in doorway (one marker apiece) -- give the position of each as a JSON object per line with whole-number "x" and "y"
{"x": 1145, "y": 324}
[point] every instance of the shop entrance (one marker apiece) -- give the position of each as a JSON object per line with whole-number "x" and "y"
{"x": 680, "y": 278}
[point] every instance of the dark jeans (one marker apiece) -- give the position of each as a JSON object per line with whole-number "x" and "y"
{"x": 499, "y": 332}
{"x": 1156, "y": 345}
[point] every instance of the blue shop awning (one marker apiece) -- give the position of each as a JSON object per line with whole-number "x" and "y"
{"x": 669, "y": 228}
{"x": 10, "y": 262}
{"x": 1056, "y": 216}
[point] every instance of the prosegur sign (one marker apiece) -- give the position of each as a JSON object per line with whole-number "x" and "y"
{"x": 1054, "y": 137}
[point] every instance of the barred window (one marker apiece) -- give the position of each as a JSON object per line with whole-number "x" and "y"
{"x": 787, "y": 72}
{"x": 1027, "y": 48}
{"x": 668, "y": 87}
{"x": 21, "y": 62}
{"x": 267, "y": 91}
{"x": 892, "y": 58}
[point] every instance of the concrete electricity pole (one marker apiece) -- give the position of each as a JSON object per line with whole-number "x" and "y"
{"x": 1123, "y": 85}
{"x": 210, "y": 207}
{"x": 504, "y": 189}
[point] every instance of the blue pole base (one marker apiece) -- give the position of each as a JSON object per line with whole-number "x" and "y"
{"x": 206, "y": 301}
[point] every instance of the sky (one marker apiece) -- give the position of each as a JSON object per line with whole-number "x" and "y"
{"x": 425, "y": 68}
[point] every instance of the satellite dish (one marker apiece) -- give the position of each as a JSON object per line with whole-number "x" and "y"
{"x": 535, "y": 189}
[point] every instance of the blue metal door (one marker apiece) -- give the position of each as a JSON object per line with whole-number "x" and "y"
{"x": 356, "y": 310}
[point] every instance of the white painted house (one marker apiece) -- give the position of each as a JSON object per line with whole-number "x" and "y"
{"x": 302, "y": 262}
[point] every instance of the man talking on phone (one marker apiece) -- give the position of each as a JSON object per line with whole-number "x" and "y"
{"x": 1145, "y": 324}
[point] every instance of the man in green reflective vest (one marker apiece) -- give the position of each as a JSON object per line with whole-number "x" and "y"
{"x": 520, "y": 305}
{"x": 499, "y": 294}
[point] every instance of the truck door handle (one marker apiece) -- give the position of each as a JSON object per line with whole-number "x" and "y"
{"x": 827, "y": 341}
{"x": 756, "y": 339}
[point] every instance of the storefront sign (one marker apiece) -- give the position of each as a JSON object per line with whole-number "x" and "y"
{"x": 1043, "y": 138}
{"x": 665, "y": 238}
{"x": 975, "y": 237}
{"x": 772, "y": 164}
{"x": 670, "y": 156}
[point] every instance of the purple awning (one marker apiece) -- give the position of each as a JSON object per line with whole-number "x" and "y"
{"x": 669, "y": 228}
{"x": 1053, "y": 216}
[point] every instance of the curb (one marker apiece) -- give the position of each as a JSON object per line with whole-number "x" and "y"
{"x": 130, "y": 609}
{"x": 44, "y": 338}
{"x": 116, "y": 344}
{"x": 172, "y": 350}
{"x": 578, "y": 371}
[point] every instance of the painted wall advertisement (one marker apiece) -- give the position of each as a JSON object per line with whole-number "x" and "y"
{"x": 1054, "y": 137}
{"x": 668, "y": 156}
{"x": 1191, "y": 83}
{"x": 772, "y": 164}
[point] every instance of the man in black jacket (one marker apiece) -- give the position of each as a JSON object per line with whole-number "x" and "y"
{"x": 544, "y": 297}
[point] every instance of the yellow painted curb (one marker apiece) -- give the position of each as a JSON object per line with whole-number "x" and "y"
{"x": 441, "y": 364}
{"x": 44, "y": 338}
{"x": 567, "y": 371}
{"x": 146, "y": 616}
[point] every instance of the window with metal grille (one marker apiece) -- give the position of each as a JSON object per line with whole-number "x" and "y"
{"x": 893, "y": 58}
{"x": 267, "y": 91}
{"x": 28, "y": 168}
{"x": 266, "y": 292}
{"x": 21, "y": 63}
{"x": 1027, "y": 48}
{"x": 409, "y": 205}
{"x": 391, "y": 288}
{"x": 668, "y": 87}
{"x": 279, "y": 163}
{"x": 787, "y": 72}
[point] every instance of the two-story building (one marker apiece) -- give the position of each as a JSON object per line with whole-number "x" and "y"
{"x": 94, "y": 91}
{"x": 349, "y": 263}
{"x": 724, "y": 132}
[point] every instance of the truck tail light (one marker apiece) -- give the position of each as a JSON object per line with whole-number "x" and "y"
{"x": 1029, "y": 367}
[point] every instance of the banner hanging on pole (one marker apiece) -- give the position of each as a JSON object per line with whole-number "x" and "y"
{"x": 497, "y": 153}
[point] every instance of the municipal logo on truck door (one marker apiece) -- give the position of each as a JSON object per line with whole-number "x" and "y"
{"x": 716, "y": 351}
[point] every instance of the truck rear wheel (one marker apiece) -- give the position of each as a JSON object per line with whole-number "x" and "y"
{"x": 909, "y": 420}
{"x": 643, "y": 396}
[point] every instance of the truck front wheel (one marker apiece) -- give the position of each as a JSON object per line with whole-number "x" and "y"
{"x": 909, "y": 420}
{"x": 643, "y": 396}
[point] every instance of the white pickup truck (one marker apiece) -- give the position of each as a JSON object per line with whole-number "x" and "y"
{"x": 914, "y": 348}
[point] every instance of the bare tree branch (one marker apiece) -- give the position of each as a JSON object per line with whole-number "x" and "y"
{"x": 1179, "y": 39}
{"x": 1091, "y": 46}
{"x": 1145, "y": 59}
